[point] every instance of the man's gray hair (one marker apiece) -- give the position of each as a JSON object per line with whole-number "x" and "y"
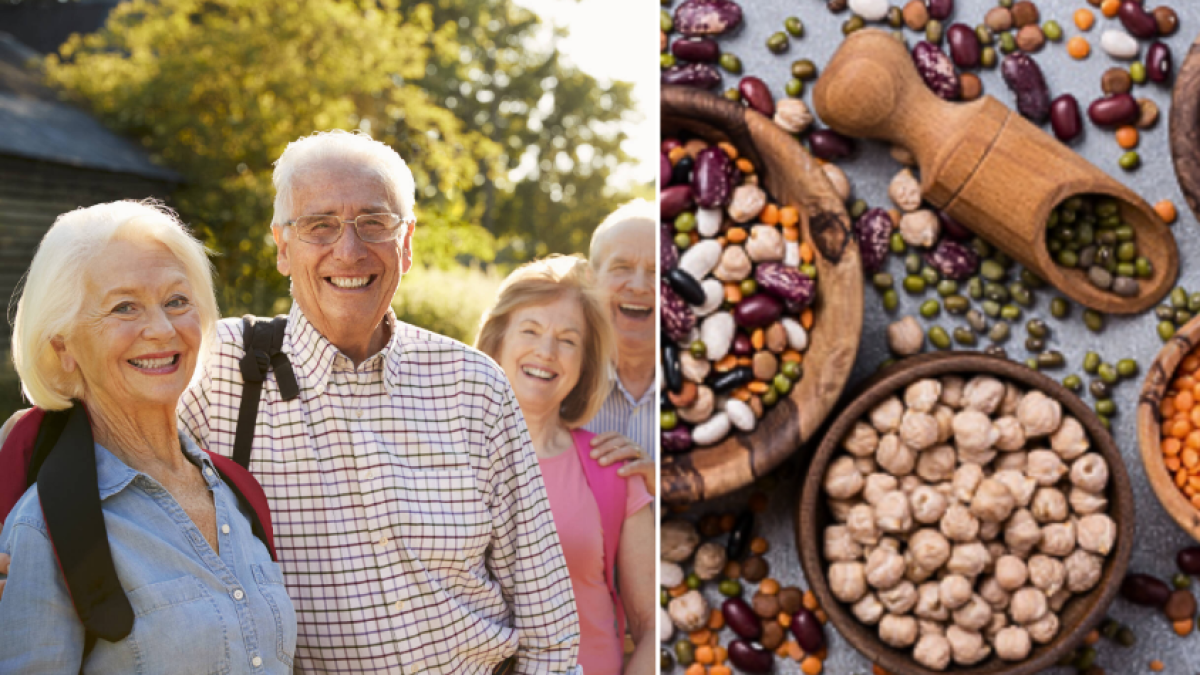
{"x": 329, "y": 147}
{"x": 638, "y": 209}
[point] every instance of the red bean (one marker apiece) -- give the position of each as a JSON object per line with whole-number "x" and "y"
{"x": 670, "y": 144}
{"x": 741, "y": 345}
{"x": 1065, "y": 118}
{"x": 1158, "y": 62}
{"x": 750, "y": 657}
{"x": 678, "y": 439}
{"x": 1136, "y": 20}
{"x": 1114, "y": 111}
{"x": 664, "y": 169}
{"x": 964, "y": 45}
{"x": 807, "y": 629}
{"x": 829, "y": 145}
{"x": 1188, "y": 560}
{"x": 674, "y": 200}
{"x": 939, "y": 9}
{"x": 698, "y": 75}
{"x": 740, "y": 617}
{"x": 702, "y": 50}
{"x": 757, "y": 94}
{"x": 757, "y": 311}
{"x": 1143, "y": 589}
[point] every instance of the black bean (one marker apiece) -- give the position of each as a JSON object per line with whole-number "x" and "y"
{"x": 1188, "y": 560}
{"x": 673, "y": 367}
{"x": 739, "y": 538}
{"x": 686, "y": 286}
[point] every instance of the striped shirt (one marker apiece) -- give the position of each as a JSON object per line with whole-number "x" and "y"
{"x": 409, "y": 511}
{"x": 632, "y": 418}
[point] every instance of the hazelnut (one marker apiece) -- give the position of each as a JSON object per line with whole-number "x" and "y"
{"x": 905, "y": 337}
{"x": 920, "y": 228}
{"x": 905, "y": 191}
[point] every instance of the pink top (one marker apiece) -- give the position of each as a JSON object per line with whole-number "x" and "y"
{"x": 577, "y": 519}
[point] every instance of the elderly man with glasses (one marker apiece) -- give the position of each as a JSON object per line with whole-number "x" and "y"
{"x": 409, "y": 511}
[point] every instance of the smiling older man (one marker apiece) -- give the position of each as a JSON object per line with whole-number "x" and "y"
{"x": 623, "y": 259}
{"x": 410, "y": 516}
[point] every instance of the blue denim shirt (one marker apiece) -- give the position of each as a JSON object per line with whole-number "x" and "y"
{"x": 196, "y": 611}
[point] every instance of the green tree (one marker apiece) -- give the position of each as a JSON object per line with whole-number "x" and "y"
{"x": 217, "y": 88}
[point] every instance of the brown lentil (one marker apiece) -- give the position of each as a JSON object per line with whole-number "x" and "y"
{"x": 1180, "y": 605}
{"x": 1030, "y": 38}
{"x": 765, "y": 606}
{"x": 916, "y": 15}
{"x": 1167, "y": 20}
{"x": 755, "y": 569}
{"x": 999, "y": 19}
{"x": 970, "y": 86}
{"x": 790, "y": 599}
{"x": 1116, "y": 81}
{"x": 1025, "y": 13}
{"x": 1147, "y": 113}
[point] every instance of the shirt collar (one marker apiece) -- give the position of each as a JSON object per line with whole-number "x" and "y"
{"x": 313, "y": 355}
{"x": 113, "y": 475}
{"x": 620, "y": 386}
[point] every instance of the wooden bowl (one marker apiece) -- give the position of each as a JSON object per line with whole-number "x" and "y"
{"x": 1185, "y": 127}
{"x": 1149, "y": 418}
{"x": 791, "y": 176}
{"x": 1079, "y": 615}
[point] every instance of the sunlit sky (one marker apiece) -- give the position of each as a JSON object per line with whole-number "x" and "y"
{"x": 615, "y": 40}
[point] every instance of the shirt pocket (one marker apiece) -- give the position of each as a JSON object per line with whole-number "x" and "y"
{"x": 440, "y": 516}
{"x": 178, "y": 628}
{"x": 269, "y": 578}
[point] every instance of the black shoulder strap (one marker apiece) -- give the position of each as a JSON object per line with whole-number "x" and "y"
{"x": 263, "y": 352}
{"x": 70, "y": 499}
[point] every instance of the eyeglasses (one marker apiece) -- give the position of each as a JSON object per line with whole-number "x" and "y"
{"x": 371, "y": 227}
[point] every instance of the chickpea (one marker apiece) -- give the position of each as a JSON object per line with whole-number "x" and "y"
{"x": 1046, "y": 467}
{"x": 899, "y": 599}
{"x": 879, "y": 484}
{"x": 992, "y": 593}
{"x": 710, "y": 560}
{"x": 1021, "y": 486}
{"x": 1022, "y": 532}
{"x": 975, "y": 615}
{"x": 860, "y": 525}
{"x": 1083, "y": 571}
{"x": 862, "y": 440}
{"x": 952, "y": 391}
{"x": 892, "y": 513}
{"x": 966, "y": 480}
{"x": 689, "y": 611}
{"x": 955, "y": 590}
{"x": 966, "y": 646}
{"x": 868, "y": 610}
{"x": 968, "y": 559}
{"x": 1010, "y": 401}
{"x": 918, "y": 430}
{"x": 1097, "y": 533}
{"x": 933, "y": 651}
{"x": 677, "y": 540}
{"x": 937, "y": 463}
{"x": 1046, "y": 573}
{"x": 945, "y": 421}
{"x": 983, "y": 394}
{"x": 1070, "y": 441}
{"x": 895, "y": 457}
{"x": 1049, "y": 506}
{"x": 989, "y": 530}
{"x": 1090, "y": 473}
{"x": 842, "y": 479}
{"x": 898, "y": 631}
{"x": 1011, "y": 461}
{"x": 923, "y": 395}
{"x": 848, "y": 581}
{"x": 929, "y": 602}
{"x": 974, "y": 432}
{"x": 1011, "y": 434}
{"x": 1044, "y": 629}
{"x": 1039, "y": 414}
{"x": 1058, "y": 539}
{"x": 1028, "y": 605}
{"x": 992, "y": 502}
{"x": 840, "y": 508}
{"x": 958, "y": 524}
{"x": 1084, "y": 502}
{"x": 1013, "y": 643}
{"x": 930, "y": 550}
{"x": 885, "y": 568}
{"x": 886, "y": 416}
{"x": 1011, "y": 573}
{"x": 928, "y": 505}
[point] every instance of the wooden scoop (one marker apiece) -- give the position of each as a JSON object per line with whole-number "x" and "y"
{"x": 986, "y": 166}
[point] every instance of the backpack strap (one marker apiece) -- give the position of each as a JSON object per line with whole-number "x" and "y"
{"x": 263, "y": 346}
{"x": 250, "y": 493}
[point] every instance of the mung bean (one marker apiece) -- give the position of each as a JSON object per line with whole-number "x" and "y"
{"x": 1166, "y": 330}
{"x": 794, "y": 26}
{"x": 912, "y": 263}
{"x": 991, "y": 308}
{"x": 1010, "y": 313}
{"x": 854, "y": 23}
{"x": 964, "y": 336}
{"x": 947, "y": 287}
{"x": 665, "y": 61}
{"x": 897, "y": 244}
{"x": 1100, "y": 389}
{"x": 930, "y": 309}
{"x": 1093, "y": 320}
{"x": 731, "y": 63}
{"x": 996, "y": 350}
{"x": 975, "y": 288}
{"x": 1033, "y": 344}
{"x": 914, "y": 284}
{"x": 1182, "y": 316}
{"x": 1137, "y": 72}
{"x": 777, "y": 43}
{"x": 976, "y": 321}
{"x": 956, "y": 304}
{"x": 939, "y": 338}
{"x": 1127, "y": 367}
{"x": 891, "y": 300}
{"x": 1106, "y": 407}
{"x": 934, "y": 31}
{"x": 858, "y": 208}
{"x": 991, "y": 270}
{"x": 882, "y": 280}
{"x": 1037, "y": 328}
{"x": 999, "y": 332}
{"x": 1091, "y": 363}
{"x": 1108, "y": 373}
{"x": 804, "y": 69}
{"x": 1051, "y": 360}
{"x": 1072, "y": 382}
{"x": 1059, "y": 308}
{"x": 794, "y": 88}
{"x": 1031, "y": 363}
{"x": 1130, "y": 160}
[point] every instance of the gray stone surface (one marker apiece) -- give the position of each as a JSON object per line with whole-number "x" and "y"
{"x": 1158, "y": 538}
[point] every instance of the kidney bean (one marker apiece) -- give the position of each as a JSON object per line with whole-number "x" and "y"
{"x": 668, "y": 255}
{"x": 757, "y": 94}
{"x": 829, "y": 145}
{"x": 964, "y": 45}
{"x": 953, "y": 229}
{"x": 699, "y": 75}
{"x": 750, "y": 658}
{"x": 1180, "y": 605}
{"x": 873, "y": 230}
{"x": 786, "y": 283}
{"x": 1158, "y": 62}
{"x": 939, "y": 9}
{"x": 1143, "y": 589}
{"x": 678, "y": 439}
{"x": 953, "y": 260}
{"x": 807, "y": 629}
{"x": 757, "y": 311}
{"x": 722, "y": 383}
{"x": 1114, "y": 111}
{"x": 1137, "y": 20}
{"x": 712, "y": 178}
{"x": 1025, "y": 79}
{"x": 677, "y": 318}
{"x": 1188, "y": 560}
{"x": 1065, "y": 118}
{"x": 937, "y": 70}
{"x": 686, "y": 286}
{"x": 707, "y": 17}
{"x": 670, "y": 144}
{"x": 739, "y": 538}
{"x": 674, "y": 200}
{"x": 696, "y": 50}
{"x": 741, "y": 618}
{"x": 672, "y": 367}
{"x": 664, "y": 169}
{"x": 741, "y": 345}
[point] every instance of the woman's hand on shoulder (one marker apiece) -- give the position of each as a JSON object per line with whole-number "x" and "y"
{"x": 611, "y": 446}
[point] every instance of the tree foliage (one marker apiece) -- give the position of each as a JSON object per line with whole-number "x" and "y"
{"x": 216, "y": 89}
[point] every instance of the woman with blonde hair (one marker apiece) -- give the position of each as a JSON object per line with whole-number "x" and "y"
{"x": 550, "y": 332}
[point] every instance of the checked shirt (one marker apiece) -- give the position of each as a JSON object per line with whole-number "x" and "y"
{"x": 410, "y": 516}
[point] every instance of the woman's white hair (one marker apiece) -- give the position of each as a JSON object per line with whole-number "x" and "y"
{"x": 54, "y": 291}
{"x": 324, "y": 148}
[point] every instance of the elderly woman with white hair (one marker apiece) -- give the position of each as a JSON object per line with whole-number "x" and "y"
{"x": 134, "y": 551}
{"x": 550, "y": 331}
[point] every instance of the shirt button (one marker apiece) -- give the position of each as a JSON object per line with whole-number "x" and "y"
{"x": 369, "y": 474}
{"x": 208, "y": 472}
{"x": 358, "y": 413}
{"x": 398, "y": 605}
{"x": 238, "y": 594}
{"x": 224, "y": 529}
{"x": 256, "y": 661}
{"x": 383, "y": 540}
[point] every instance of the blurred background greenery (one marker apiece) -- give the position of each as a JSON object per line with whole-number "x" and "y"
{"x": 514, "y": 148}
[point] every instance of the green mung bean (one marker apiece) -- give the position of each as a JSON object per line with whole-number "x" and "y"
{"x": 1106, "y": 407}
{"x": 1033, "y": 344}
{"x": 1031, "y": 363}
{"x": 778, "y": 42}
{"x": 854, "y": 23}
{"x": 976, "y": 321}
{"x": 1037, "y": 328}
{"x": 1059, "y": 308}
{"x": 956, "y": 304}
{"x": 1051, "y": 360}
{"x": 895, "y": 17}
{"x": 1166, "y": 330}
{"x": 984, "y": 35}
{"x": 748, "y": 287}
{"x": 934, "y": 31}
{"x": 999, "y": 332}
{"x": 1010, "y": 313}
{"x": 794, "y": 88}
{"x": 1091, "y": 363}
{"x": 858, "y": 208}
{"x": 1093, "y": 320}
{"x": 665, "y": 21}
{"x": 1182, "y": 316}
{"x": 732, "y": 94}
{"x": 1130, "y": 160}
{"x": 947, "y": 287}
{"x": 930, "y": 309}
{"x": 1008, "y": 44}
{"x": 975, "y": 288}
{"x": 891, "y": 300}
{"x": 991, "y": 308}
{"x": 991, "y": 270}
{"x": 1164, "y": 313}
{"x": 1052, "y": 31}
{"x": 804, "y": 69}
{"x": 939, "y": 338}
{"x": 731, "y": 63}
{"x": 930, "y": 276}
{"x": 964, "y": 336}
{"x": 1137, "y": 72}
{"x": 912, "y": 263}
{"x": 882, "y": 281}
{"x": 1100, "y": 389}
{"x": 987, "y": 58}
{"x": 794, "y": 26}
{"x": 1108, "y": 373}
{"x": 1072, "y": 382}
{"x": 665, "y": 61}
{"x": 896, "y": 243}
{"x": 1127, "y": 367}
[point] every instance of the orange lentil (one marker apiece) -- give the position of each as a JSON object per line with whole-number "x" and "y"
{"x": 821, "y": 616}
{"x": 1194, "y": 415}
{"x": 1092, "y": 638}
{"x": 768, "y": 586}
{"x": 745, "y": 361}
{"x": 1195, "y": 501}
{"x": 758, "y": 338}
{"x": 1181, "y": 478}
{"x": 696, "y": 669}
{"x": 1109, "y": 8}
{"x": 716, "y": 619}
{"x": 704, "y": 654}
{"x": 791, "y": 234}
{"x": 1173, "y": 464}
{"x": 676, "y": 154}
{"x": 1155, "y": 665}
{"x": 806, "y": 318}
{"x": 789, "y": 216}
{"x": 1190, "y": 362}
{"x": 700, "y": 637}
{"x": 745, "y": 166}
{"x": 736, "y": 235}
{"x": 784, "y": 619}
{"x": 1189, "y": 491}
{"x": 1180, "y": 428}
{"x": 720, "y": 654}
{"x": 1078, "y": 48}
{"x": 759, "y": 546}
{"x": 719, "y": 670}
{"x": 1168, "y": 406}
{"x": 794, "y": 651}
{"x": 729, "y": 149}
{"x": 810, "y": 601}
{"x": 742, "y": 394}
{"x": 1171, "y": 446}
{"x": 726, "y": 364}
{"x": 811, "y": 666}
{"x": 1127, "y": 137}
{"x": 1166, "y": 210}
{"x": 1184, "y": 628}
{"x": 758, "y": 387}
{"x": 1190, "y": 458}
{"x": 733, "y": 293}
{"x": 677, "y": 590}
{"x": 1184, "y": 401}
{"x": 1184, "y": 383}
{"x": 1084, "y": 19}
{"x": 769, "y": 215}
{"x": 792, "y": 355}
